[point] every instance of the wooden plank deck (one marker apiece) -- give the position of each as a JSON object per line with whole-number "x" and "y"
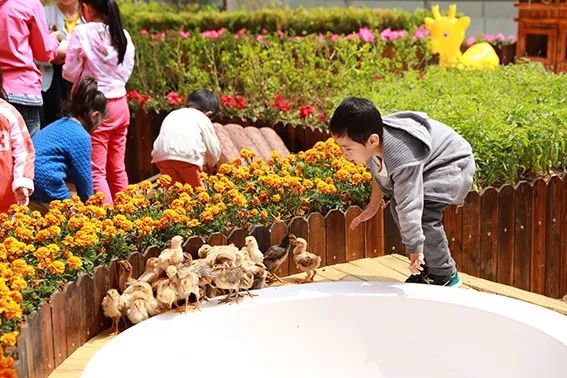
{"x": 384, "y": 268}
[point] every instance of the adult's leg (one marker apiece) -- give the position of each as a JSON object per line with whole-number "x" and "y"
{"x": 31, "y": 115}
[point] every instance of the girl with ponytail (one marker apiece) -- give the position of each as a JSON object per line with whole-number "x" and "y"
{"x": 63, "y": 148}
{"x": 102, "y": 49}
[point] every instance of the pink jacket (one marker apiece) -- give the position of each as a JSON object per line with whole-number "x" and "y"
{"x": 17, "y": 155}
{"x": 90, "y": 53}
{"x": 24, "y": 36}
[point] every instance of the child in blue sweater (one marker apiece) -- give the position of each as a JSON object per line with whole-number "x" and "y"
{"x": 63, "y": 148}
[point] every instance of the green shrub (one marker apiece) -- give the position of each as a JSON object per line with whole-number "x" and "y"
{"x": 300, "y": 21}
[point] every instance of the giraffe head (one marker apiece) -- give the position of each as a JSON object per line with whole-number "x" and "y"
{"x": 447, "y": 34}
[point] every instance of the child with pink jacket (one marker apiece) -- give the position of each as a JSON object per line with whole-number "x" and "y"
{"x": 102, "y": 49}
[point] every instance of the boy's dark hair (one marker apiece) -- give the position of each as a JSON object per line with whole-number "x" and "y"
{"x": 204, "y": 100}
{"x": 109, "y": 11}
{"x": 85, "y": 98}
{"x": 358, "y": 118}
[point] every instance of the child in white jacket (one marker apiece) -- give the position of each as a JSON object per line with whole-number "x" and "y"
{"x": 187, "y": 140}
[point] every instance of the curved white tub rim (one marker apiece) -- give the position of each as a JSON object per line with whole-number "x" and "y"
{"x": 546, "y": 321}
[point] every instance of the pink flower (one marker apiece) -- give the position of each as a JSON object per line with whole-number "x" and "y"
{"x": 213, "y": 34}
{"x": 183, "y": 34}
{"x": 351, "y": 36}
{"x": 281, "y": 34}
{"x": 305, "y": 111}
{"x": 321, "y": 38}
{"x": 240, "y": 33}
{"x": 500, "y": 37}
{"x": 366, "y": 35}
{"x": 512, "y": 39}
{"x": 145, "y": 32}
{"x": 471, "y": 41}
{"x": 389, "y": 35}
{"x": 260, "y": 38}
{"x": 334, "y": 38}
{"x": 174, "y": 99}
{"x": 421, "y": 33}
{"x": 489, "y": 38}
{"x": 159, "y": 36}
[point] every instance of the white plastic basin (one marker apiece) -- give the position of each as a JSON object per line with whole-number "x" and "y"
{"x": 346, "y": 329}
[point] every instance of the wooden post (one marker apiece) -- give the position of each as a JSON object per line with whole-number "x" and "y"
{"x": 335, "y": 224}
{"x": 72, "y": 317}
{"x": 58, "y": 323}
{"x": 355, "y": 239}
{"x": 277, "y": 232}
{"x": 217, "y": 238}
{"x": 101, "y": 286}
{"x": 192, "y": 245}
{"x": 392, "y": 238}
{"x": 539, "y": 229}
{"x": 85, "y": 287}
{"x": 471, "y": 235}
{"x": 262, "y": 235}
{"x": 506, "y": 235}
{"x": 452, "y": 222}
{"x": 523, "y": 232}
{"x": 317, "y": 236}
{"x": 22, "y": 359}
{"x": 489, "y": 234}
{"x": 237, "y": 237}
{"x": 553, "y": 238}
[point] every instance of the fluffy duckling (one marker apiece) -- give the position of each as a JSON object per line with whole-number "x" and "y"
{"x": 113, "y": 307}
{"x": 251, "y": 245}
{"x": 172, "y": 255}
{"x": 125, "y": 278}
{"x": 305, "y": 261}
{"x": 138, "y": 312}
{"x": 152, "y": 272}
{"x": 277, "y": 254}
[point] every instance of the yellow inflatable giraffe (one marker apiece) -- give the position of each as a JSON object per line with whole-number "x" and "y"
{"x": 447, "y": 36}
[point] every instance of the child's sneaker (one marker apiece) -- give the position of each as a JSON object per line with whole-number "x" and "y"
{"x": 452, "y": 280}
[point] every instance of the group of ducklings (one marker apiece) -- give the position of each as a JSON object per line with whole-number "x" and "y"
{"x": 174, "y": 276}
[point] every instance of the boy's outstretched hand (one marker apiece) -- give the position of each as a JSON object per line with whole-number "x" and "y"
{"x": 417, "y": 260}
{"x": 366, "y": 214}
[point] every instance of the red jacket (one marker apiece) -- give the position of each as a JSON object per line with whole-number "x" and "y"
{"x": 17, "y": 155}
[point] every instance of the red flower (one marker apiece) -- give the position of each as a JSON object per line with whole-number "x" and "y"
{"x": 322, "y": 117}
{"x": 135, "y": 96}
{"x": 305, "y": 111}
{"x": 174, "y": 99}
{"x": 240, "y": 102}
{"x": 280, "y": 103}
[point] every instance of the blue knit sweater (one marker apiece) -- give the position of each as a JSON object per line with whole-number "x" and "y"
{"x": 62, "y": 150}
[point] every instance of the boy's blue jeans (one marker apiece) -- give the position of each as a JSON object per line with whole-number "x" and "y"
{"x": 436, "y": 247}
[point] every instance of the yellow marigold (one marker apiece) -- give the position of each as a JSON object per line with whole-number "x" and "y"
{"x": 145, "y": 185}
{"x": 247, "y": 154}
{"x": 236, "y": 162}
{"x": 192, "y": 223}
{"x": 17, "y": 296}
{"x": 366, "y": 176}
{"x": 308, "y": 184}
{"x": 225, "y": 169}
{"x": 24, "y": 233}
{"x": 242, "y": 173}
{"x": 264, "y": 214}
{"x": 254, "y": 212}
{"x": 203, "y": 197}
{"x": 217, "y": 198}
{"x": 276, "y": 198}
{"x": 165, "y": 181}
{"x": 12, "y": 310}
{"x": 57, "y": 267}
{"x": 18, "y": 284}
{"x": 357, "y": 178}
{"x": 19, "y": 266}
{"x": 342, "y": 175}
{"x": 240, "y": 201}
{"x": 74, "y": 262}
{"x": 9, "y": 339}
{"x": 96, "y": 200}
{"x": 275, "y": 155}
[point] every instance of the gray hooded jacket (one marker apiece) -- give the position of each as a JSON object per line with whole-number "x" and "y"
{"x": 426, "y": 160}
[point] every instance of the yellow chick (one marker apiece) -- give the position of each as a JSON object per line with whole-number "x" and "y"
{"x": 113, "y": 307}
{"x": 138, "y": 312}
{"x": 172, "y": 255}
{"x": 305, "y": 261}
{"x": 204, "y": 251}
{"x": 167, "y": 289}
{"x": 251, "y": 245}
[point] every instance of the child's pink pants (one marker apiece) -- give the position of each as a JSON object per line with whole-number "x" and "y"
{"x": 109, "y": 149}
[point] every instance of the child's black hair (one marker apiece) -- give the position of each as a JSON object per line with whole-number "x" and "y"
{"x": 85, "y": 98}
{"x": 358, "y": 118}
{"x": 109, "y": 11}
{"x": 204, "y": 100}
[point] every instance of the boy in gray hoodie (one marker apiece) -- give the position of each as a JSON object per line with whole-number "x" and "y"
{"x": 422, "y": 165}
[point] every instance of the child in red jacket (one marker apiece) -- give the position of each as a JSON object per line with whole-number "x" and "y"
{"x": 17, "y": 157}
